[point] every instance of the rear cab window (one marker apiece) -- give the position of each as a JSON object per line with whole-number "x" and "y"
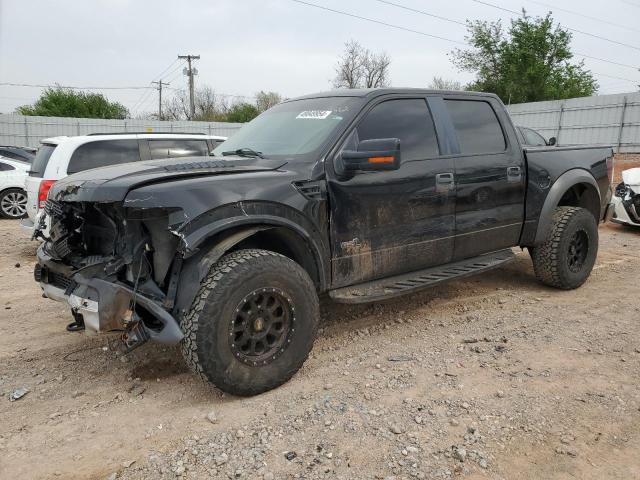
{"x": 533, "y": 138}
{"x": 102, "y": 153}
{"x": 41, "y": 160}
{"x": 477, "y": 127}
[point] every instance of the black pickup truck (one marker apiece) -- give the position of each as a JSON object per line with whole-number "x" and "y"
{"x": 360, "y": 194}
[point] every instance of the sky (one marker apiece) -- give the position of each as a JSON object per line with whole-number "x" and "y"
{"x": 274, "y": 45}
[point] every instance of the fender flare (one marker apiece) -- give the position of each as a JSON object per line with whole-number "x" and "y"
{"x": 563, "y": 183}
{"x": 201, "y": 255}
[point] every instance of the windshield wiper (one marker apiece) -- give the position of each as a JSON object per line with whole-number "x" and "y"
{"x": 243, "y": 152}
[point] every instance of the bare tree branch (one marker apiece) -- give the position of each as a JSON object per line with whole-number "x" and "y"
{"x": 358, "y": 67}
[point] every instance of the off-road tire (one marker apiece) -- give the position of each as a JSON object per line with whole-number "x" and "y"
{"x": 207, "y": 325}
{"x": 551, "y": 259}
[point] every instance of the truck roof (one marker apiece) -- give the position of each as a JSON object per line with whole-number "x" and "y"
{"x": 375, "y": 92}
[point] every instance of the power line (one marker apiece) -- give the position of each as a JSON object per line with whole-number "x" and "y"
{"x": 159, "y": 76}
{"x": 8, "y": 84}
{"x": 398, "y": 27}
{"x": 568, "y": 28}
{"x": 422, "y": 12}
{"x": 146, "y": 95}
{"x": 606, "y": 61}
{"x": 443, "y": 38}
{"x": 617, "y": 78}
{"x": 573, "y": 12}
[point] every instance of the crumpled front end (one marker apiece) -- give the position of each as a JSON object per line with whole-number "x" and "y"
{"x": 626, "y": 198}
{"x": 117, "y": 268}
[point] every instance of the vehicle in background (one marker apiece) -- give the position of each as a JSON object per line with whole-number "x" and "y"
{"x": 360, "y": 194}
{"x": 626, "y": 198}
{"x": 13, "y": 198}
{"x": 58, "y": 157}
{"x": 530, "y": 138}
{"x": 23, "y": 154}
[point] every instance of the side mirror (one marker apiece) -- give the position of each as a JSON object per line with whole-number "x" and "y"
{"x": 375, "y": 154}
{"x": 552, "y": 141}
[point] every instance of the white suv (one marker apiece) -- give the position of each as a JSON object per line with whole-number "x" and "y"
{"x": 58, "y": 157}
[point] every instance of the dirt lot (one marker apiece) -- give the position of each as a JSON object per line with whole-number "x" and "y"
{"x": 491, "y": 377}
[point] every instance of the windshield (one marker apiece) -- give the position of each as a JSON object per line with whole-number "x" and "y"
{"x": 292, "y": 129}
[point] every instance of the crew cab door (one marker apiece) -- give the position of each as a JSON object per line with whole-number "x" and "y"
{"x": 394, "y": 221}
{"x": 489, "y": 176}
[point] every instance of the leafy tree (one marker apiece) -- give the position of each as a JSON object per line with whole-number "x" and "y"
{"x": 528, "y": 63}
{"x": 64, "y": 102}
{"x": 242, "y": 112}
{"x": 266, "y": 100}
{"x": 359, "y": 67}
{"x": 212, "y": 107}
{"x": 439, "y": 83}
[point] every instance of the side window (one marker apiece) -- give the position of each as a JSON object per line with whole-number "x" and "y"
{"x": 103, "y": 153}
{"x": 8, "y": 154}
{"x": 178, "y": 148}
{"x": 5, "y": 167}
{"x": 477, "y": 127}
{"x": 533, "y": 138}
{"x": 406, "y": 119}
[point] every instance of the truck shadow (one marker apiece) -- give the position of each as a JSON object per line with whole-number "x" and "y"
{"x": 511, "y": 278}
{"x": 154, "y": 361}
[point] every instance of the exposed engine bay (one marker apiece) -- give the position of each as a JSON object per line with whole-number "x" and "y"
{"x": 627, "y": 198}
{"x": 116, "y": 267}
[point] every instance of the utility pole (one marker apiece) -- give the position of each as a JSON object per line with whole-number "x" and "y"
{"x": 190, "y": 72}
{"x": 160, "y": 84}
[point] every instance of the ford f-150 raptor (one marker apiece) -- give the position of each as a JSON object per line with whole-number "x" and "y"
{"x": 360, "y": 194}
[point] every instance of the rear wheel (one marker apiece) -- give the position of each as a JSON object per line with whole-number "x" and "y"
{"x": 569, "y": 252}
{"x": 252, "y": 323}
{"x": 13, "y": 203}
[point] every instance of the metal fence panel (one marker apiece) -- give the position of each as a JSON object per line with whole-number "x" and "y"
{"x": 29, "y": 130}
{"x": 599, "y": 120}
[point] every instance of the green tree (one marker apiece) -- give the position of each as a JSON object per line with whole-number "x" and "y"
{"x": 241, "y": 113}
{"x": 528, "y": 63}
{"x": 64, "y": 102}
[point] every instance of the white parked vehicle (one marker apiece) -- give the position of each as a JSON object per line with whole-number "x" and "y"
{"x": 58, "y": 157}
{"x": 13, "y": 198}
{"x": 626, "y": 198}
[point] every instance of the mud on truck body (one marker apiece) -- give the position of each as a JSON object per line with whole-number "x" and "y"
{"x": 361, "y": 194}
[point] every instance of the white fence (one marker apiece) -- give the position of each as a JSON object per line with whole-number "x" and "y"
{"x": 29, "y": 130}
{"x": 600, "y": 120}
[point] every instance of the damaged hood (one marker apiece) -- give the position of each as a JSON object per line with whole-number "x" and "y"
{"x": 112, "y": 183}
{"x": 631, "y": 177}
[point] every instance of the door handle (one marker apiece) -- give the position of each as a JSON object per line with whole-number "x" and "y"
{"x": 444, "y": 181}
{"x": 513, "y": 174}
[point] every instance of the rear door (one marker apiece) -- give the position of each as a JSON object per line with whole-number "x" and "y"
{"x": 391, "y": 222}
{"x": 102, "y": 153}
{"x": 490, "y": 177}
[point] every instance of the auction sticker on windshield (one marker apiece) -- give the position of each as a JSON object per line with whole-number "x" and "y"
{"x": 314, "y": 114}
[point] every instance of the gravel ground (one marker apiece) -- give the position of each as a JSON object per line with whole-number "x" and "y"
{"x": 492, "y": 377}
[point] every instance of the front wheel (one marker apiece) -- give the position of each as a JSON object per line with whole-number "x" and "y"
{"x": 568, "y": 254}
{"x": 253, "y": 322}
{"x": 13, "y": 203}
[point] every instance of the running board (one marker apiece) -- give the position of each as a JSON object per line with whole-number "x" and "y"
{"x": 411, "y": 282}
